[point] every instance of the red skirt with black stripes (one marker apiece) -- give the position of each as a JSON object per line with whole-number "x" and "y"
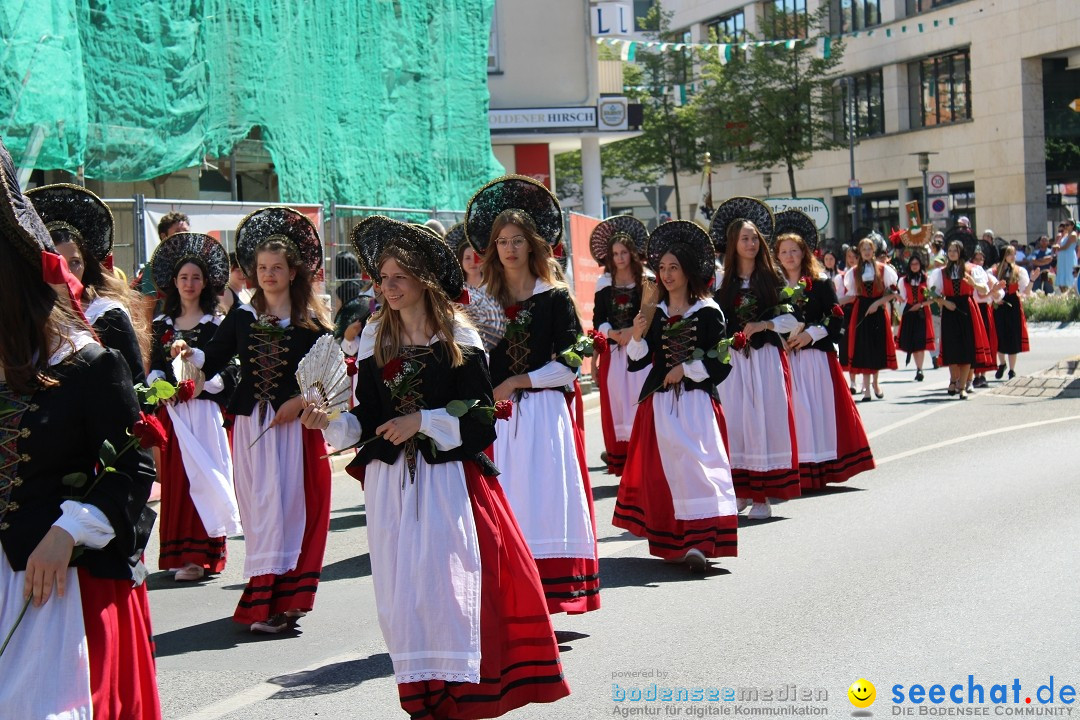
{"x": 182, "y": 533}
{"x": 269, "y": 595}
{"x": 644, "y": 505}
{"x": 519, "y": 661}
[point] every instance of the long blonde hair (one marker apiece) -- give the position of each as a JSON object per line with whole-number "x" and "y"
{"x": 437, "y": 306}
{"x": 305, "y": 308}
{"x": 540, "y": 252}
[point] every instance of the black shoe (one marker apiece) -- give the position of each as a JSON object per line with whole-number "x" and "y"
{"x": 918, "y": 376}
{"x": 1012, "y": 374}
{"x": 1000, "y": 372}
{"x": 604, "y": 457}
{"x": 978, "y": 382}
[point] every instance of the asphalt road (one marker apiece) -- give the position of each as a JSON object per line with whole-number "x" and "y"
{"x": 956, "y": 557}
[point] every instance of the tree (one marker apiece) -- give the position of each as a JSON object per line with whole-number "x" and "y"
{"x": 669, "y": 133}
{"x": 774, "y": 105}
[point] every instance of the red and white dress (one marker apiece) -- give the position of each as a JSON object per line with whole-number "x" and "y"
{"x": 458, "y": 595}
{"x": 1009, "y": 315}
{"x": 614, "y": 308}
{"x": 963, "y": 336}
{"x": 832, "y": 441}
{"x": 90, "y": 652}
{"x": 916, "y": 326}
{"x": 756, "y": 398}
{"x": 676, "y": 489}
{"x": 985, "y": 302}
{"x": 870, "y": 341}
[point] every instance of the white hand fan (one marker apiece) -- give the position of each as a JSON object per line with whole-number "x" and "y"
{"x": 186, "y": 370}
{"x": 323, "y": 377}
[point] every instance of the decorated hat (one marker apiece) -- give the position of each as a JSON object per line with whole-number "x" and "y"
{"x": 683, "y": 232}
{"x": 424, "y": 247}
{"x": 19, "y": 222}
{"x": 278, "y": 223}
{"x": 626, "y": 228}
{"x": 180, "y": 248}
{"x": 739, "y": 208}
{"x": 455, "y": 236}
{"x": 80, "y": 212}
{"x": 513, "y": 192}
{"x": 798, "y": 222}
{"x": 966, "y": 238}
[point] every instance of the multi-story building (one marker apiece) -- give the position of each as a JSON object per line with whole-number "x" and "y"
{"x": 978, "y": 86}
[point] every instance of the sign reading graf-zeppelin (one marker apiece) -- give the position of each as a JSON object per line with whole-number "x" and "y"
{"x": 814, "y": 207}
{"x": 540, "y": 118}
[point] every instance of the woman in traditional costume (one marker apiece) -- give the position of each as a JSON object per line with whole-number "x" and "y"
{"x": 617, "y": 244}
{"x": 756, "y": 397}
{"x": 459, "y": 600}
{"x": 832, "y": 441}
{"x": 85, "y": 648}
{"x": 916, "y": 334}
{"x": 963, "y": 337}
{"x": 985, "y": 255}
{"x": 676, "y": 489}
{"x": 198, "y": 504}
{"x": 282, "y": 477}
{"x": 1009, "y": 315}
{"x": 81, "y": 226}
{"x": 514, "y": 222}
{"x": 870, "y": 342}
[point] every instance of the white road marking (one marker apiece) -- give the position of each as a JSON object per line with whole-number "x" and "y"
{"x": 973, "y": 436}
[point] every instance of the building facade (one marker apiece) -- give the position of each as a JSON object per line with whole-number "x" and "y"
{"x": 977, "y": 85}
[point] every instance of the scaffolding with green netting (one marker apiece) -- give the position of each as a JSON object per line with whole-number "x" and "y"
{"x": 363, "y": 102}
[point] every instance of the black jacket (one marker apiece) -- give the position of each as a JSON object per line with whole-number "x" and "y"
{"x": 61, "y": 432}
{"x": 114, "y": 329}
{"x": 702, "y": 330}
{"x": 554, "y": 327}
{"x": 165, "y": 334}
{"x": 817, "y": 309}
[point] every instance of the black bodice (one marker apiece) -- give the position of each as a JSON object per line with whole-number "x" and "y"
{"x": 672, "y": 341}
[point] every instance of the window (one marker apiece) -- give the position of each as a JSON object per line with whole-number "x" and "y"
{"x": 942, "y": 86}
{"x": 869, "y": 104}
{"x": 919, "y": 6}
{"x": 728, "y": 29}
{"x": 493, "y": 43}
{"x": 858, "y": 14}
{"x": 785, "y": 19}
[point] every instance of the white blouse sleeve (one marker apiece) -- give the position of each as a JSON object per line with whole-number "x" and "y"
{"x": 350, "y": 347}
{"x": 1023, "y": 283}
{"x": 86, "y": 523}
{"x": 442, "y": 427}
{"x": 937, "y": 280}
{"x": 214, "y": 385}
{"x": 785, "y": 323}
{"x": 554, "y": 374}
{"x": 817, "y": 332}
{"x": 343, "y": 431}
{"x": 695, "y": 370}
{"x": 636, "y": 349}
{"x": 889, "y": 276}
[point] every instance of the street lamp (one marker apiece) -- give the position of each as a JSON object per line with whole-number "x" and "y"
{"x": 924, "y": 166}
{"x": 766, "y": 180}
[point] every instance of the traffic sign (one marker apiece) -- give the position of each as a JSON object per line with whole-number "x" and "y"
{"x": 939, "y": 208}
{"x": 938, "y": 183}
{"x": 854, "y": 191}
{"x": 1075, "y": 105}
{"x": 814, "y": 207}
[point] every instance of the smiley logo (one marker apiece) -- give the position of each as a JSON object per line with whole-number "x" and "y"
{"x": 862, "y": 693}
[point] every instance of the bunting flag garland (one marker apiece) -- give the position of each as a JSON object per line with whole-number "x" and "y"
{"x": 628, "y": 48}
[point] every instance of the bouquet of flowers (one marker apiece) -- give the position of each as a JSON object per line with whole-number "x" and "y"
{"x": 517, "y": 320}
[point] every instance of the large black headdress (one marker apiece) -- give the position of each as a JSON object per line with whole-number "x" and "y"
{"x": 181, "y": 248}
{"x": 623, "y": 228}
{"x": 279, "y": 223}
{"x": 739, "y": 208}
{"x": 690, "y": 235}
{"x": 455, "y": 236}
{"x": 425, "y": 248}
{"x": 19, "y": 222}
{"x": 798, "y": 222}
{"x": 80, "y": 212}
{"x": 967, "y": 239}
{"x": 513, "y": 192}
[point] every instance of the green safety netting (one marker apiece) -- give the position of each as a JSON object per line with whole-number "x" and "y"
{"x": 370, "y": 102}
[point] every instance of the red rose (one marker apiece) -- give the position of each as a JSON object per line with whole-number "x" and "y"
{"x": 622, "y": 299}
{"x": 558, "y": 251}
{"x": 674, "y": 319}
{"x": 464, "y": 298}
{"x": 150, "y": 431}
{"x": 808, "y": 282}
{"x": 599, "y": 341}
{"x": 512, "y": 312}
{"x": 504, "y": 410}
{"x": 738, "y": 340}
{"x": 350, "y": 366}
{"x": 167, "y": 338}
{"x": 837, "y": 311}
{"x": 185, "y": 390}
{"x": 392, "y": 368}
